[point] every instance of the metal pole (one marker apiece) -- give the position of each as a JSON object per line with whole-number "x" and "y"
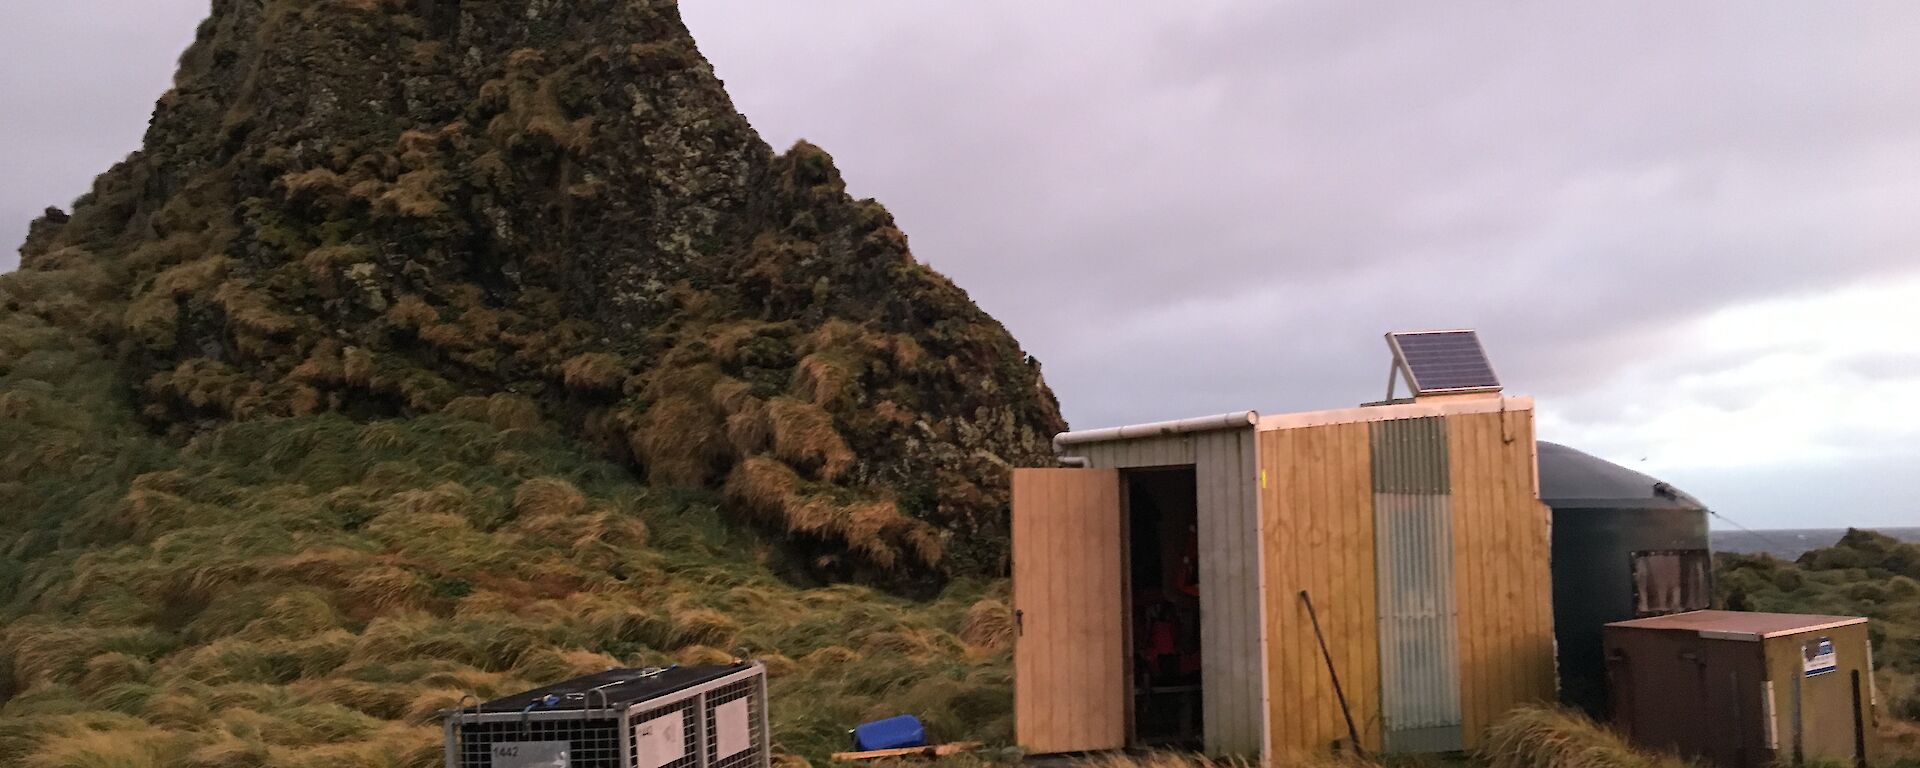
{"x": 700, "y": 727}
{"x": 1338, "y": 692}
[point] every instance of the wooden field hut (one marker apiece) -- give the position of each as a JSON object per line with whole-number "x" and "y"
{"x": 1162, "y": 578}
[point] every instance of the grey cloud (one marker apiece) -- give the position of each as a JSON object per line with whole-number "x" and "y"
{"x": 1891, "y": 367}
{"x": 1876, "y": 491}
{"x": 78, "y": 83}
{"x": 1206, "y": 206}
{"x": 1572, "y": 180}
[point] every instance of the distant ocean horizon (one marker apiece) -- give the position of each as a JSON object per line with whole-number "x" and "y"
{"x": 1789, "y": 544}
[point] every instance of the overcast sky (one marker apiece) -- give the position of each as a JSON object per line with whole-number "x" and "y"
{"x": 1692, "y": 231}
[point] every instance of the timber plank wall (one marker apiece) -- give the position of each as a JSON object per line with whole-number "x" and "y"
{"x": 1318, "y": 536}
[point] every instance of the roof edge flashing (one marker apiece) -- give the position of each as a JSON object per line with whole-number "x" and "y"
{"x": 1395, "y": 411}
{"x": 1235, "y": 420}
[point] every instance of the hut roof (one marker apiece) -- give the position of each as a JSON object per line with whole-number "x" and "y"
{"x": 1571, "y": 478}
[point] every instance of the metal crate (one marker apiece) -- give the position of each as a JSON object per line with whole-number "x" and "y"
{"x": 678, "y": 717}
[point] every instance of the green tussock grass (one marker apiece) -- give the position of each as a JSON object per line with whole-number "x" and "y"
{"x": 314, "y": 590}
{"x": 1865, "y": 574}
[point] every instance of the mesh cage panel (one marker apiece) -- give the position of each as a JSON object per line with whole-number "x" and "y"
{"x": 592, "y": 743}
{"x": 689, "y": 733}
{"x": 756, "y": 752}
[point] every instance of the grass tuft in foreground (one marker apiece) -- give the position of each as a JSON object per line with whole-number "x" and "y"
{"x": 1548, "y": 737}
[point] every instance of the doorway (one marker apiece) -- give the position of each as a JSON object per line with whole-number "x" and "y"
{"x": 1163, "y": 607}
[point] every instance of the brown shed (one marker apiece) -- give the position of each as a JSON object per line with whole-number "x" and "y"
{"x": 1158, "y": 580}
{"x": 1743, "y": 690}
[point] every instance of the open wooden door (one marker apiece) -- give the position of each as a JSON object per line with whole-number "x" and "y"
{"x": 1070, "y": 687}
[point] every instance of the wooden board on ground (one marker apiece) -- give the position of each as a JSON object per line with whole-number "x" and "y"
{"x": 941, "y": 750}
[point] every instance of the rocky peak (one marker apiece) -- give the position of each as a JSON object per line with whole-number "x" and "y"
{"x": 549, "y": 212}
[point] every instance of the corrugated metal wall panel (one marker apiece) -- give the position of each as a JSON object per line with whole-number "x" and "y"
{"x": 1168, "y": 451}
{"x": 1226, "y": 483}
{"x": 1419, "y": 674}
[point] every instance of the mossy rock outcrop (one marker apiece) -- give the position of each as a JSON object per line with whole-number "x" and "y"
{"x": 545, "y": 211}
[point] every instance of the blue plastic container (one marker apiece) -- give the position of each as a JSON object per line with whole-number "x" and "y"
{"x": 891, "y": 733}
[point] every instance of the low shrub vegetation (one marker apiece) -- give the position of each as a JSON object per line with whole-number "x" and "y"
{"x": 1864, "y": 574}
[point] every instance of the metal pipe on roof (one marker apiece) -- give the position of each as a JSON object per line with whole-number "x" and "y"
{"x": 1156, "y": 429}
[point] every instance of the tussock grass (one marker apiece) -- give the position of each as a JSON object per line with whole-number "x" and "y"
{"x": 312, "y": 590}
{"x": 772, "y": 491}
{"x": 102, "y": 749}
{"x": 805, "y": 438}
{"x": 989, "y": 626}
{"x": 594, "y": 373}
{"x": 1547, "y": 737}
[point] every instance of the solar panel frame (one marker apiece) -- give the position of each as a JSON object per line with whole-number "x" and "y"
{"x": 1444, "y": 362}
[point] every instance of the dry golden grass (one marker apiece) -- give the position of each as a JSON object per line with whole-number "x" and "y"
{"x": 1549, "y": 737}
{"x": 989, "y": 625}
{"x": 825, "y": 379}
{"x": 320, "y": 184}
{"x": 749, "y": 428}
{"x": 152, "y": 319}
{"x": 416, "y": 194}
{"x": 594, "y": 373}
{"x": 325, "y": 265}
{"x": 387, "y": 588}
{"x": 548, "y": 496}
{"x": 560, "y": 664}
{"x": 114, "y": 668}
{"x": 502, "y": 411}
{"x": 873, "y": 527}
{"x": 805, "y": 438}
{"x": 308, "y": 591}
{"x": 411, "y": 312}
{"x": 102, "y": 749}
{"x": 680, "y": 442}
{"x": 251, "y": 311}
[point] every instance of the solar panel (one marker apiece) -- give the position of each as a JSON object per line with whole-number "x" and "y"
{"x": 1439, "y": 362}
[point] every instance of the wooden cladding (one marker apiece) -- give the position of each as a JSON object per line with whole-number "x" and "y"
{"x": 1316, "y": 503}
{"x": 1296, "y": 505}
{"x": 1069, "y": 660}
{"x": 1501, "y": 559}
{"x": 1318, "y": 514}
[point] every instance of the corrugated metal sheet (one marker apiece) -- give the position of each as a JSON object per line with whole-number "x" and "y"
{"x": 1226, "y": 475}
{"x": 1413, "y": 525}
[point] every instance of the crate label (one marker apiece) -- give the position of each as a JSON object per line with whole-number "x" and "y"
{"x": 660, "y": 741}
{"x": 530, "y": 754}
{"x": 1820, "y": 657}
{"x": 732, "y": 734}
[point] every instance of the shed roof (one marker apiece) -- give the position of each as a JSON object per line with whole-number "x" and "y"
{"x": 1425, "y": 408}
{"x": 1740, "y": 625}
{"x": 1418, "y": 409}
{"x": 1570, "y": 478}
